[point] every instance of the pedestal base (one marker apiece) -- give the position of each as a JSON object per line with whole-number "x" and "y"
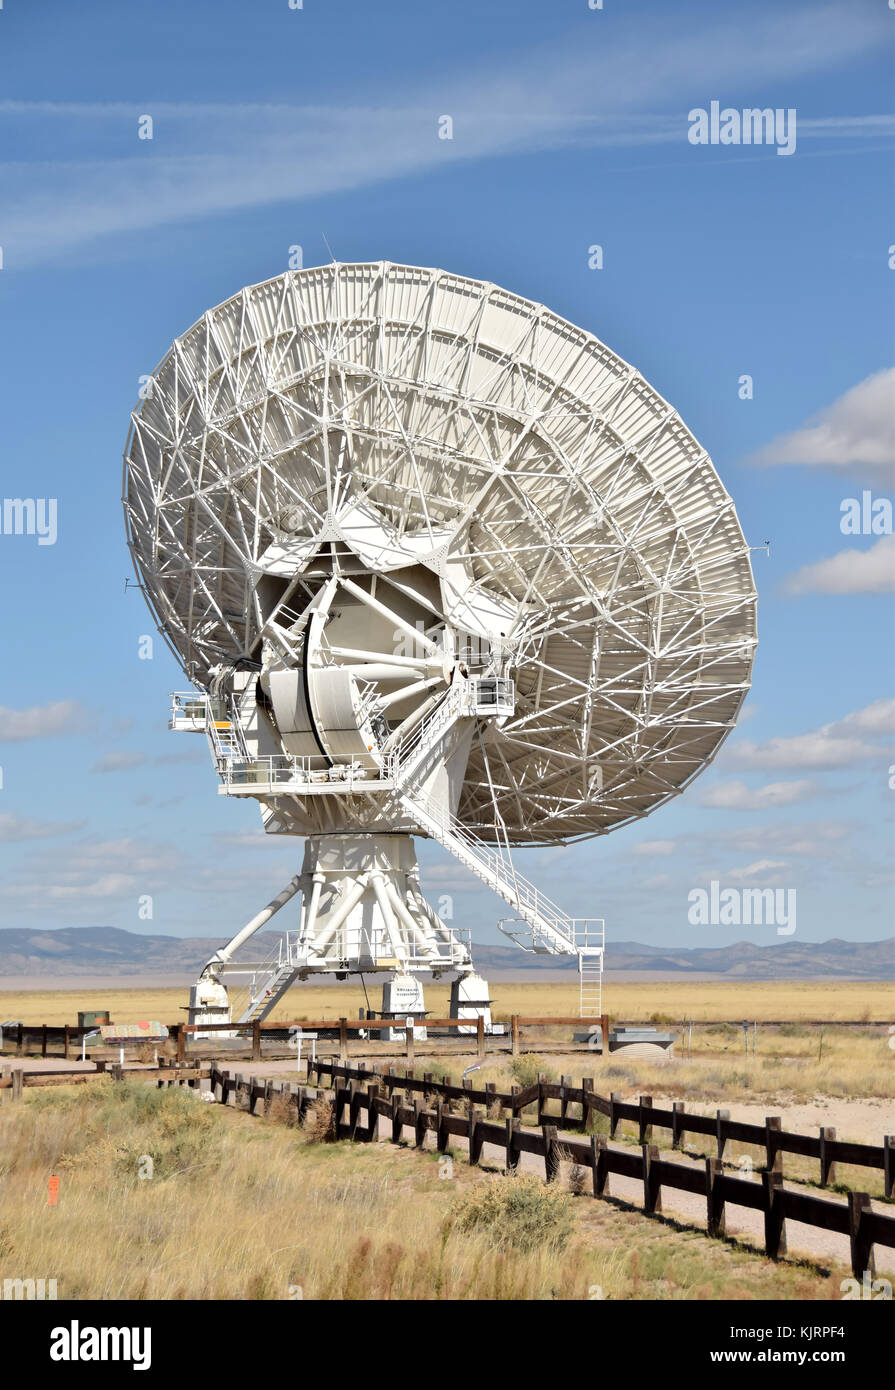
{"x": 402, "y": 995}
{"x": 209, "y": 1003}
{"x": 469, "y": 999}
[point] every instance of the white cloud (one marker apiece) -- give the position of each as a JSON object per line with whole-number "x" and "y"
{"x": 763, "y": 870}
{"x": 92, "y": 871}
{"x": 849, "y": 572}
{"x": 15, "y": 828}
{"x": 214, "y": 159}
{"x": 839, "y": 744}
{"x": 41, "y": 721}
{"x": 856, "y": 432}
{"x": 654, "y": 847}
{"x": 116, "y": 762}
{"x": 736, "y": 796}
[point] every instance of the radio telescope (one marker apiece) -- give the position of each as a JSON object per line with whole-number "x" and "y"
{"x": 436, "y": 562}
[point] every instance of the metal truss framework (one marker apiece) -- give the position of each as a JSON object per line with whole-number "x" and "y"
{"x": 532, "y": 472}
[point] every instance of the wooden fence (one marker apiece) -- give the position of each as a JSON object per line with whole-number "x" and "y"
{"x": 856, "y": 1218}
{"x": 771, "y": 1136}
{"x": 61, "y": 1038}
{"x": 14, "y": 1079}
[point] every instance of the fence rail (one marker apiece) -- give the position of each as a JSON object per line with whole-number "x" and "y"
{"x": 855, "y": 1218}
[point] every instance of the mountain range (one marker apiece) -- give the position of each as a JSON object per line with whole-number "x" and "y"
{"x": 88, "y": 951}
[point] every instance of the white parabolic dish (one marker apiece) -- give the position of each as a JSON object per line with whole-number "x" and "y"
{"x": 498, "y": 472}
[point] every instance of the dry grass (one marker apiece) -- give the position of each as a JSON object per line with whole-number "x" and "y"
{"x": 659, "y": 1002}
{"x": 789, "y": 1067}
{"x": 242, "y": 1208}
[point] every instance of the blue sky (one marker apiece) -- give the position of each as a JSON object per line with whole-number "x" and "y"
{"x": 275, "y": 127}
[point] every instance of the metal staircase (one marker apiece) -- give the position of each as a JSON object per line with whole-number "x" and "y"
{"x": 223, "y": 729}
{"x": 550, "y": 930}
{"x": 269, "y": 982}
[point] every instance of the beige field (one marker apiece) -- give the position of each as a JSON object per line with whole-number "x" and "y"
{"x": 671, "y": 1002}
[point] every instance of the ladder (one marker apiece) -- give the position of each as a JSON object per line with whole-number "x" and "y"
{"x": 590, "y": 984}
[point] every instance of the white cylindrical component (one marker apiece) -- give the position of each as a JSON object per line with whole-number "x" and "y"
{"x": 382, "y": 671}
{"x": 340, "y": 914}
{"x": 385, "y": 907}
{"x": 407, "y": 691}
{"x": 415, "y": 717}
{"x": 257, "y": 921}
{"x": 441, "y": 929}
{"x": 314, "y": 903}
{"x": 423, "y": 947}
{"x": 412, "y": 662}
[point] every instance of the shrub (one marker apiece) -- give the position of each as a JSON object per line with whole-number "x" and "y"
{"x": 518, "y": 1211}
{"x": 525, "y": 1069}
{"x": 318, "y": 1125}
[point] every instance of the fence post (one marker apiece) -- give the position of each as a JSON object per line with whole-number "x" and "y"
{"x": 117, "y": 1071}
{"x": 714, "y": 1202}
{"x": 256, "y": 1040}
{"x": 490, "y": 1088}
{"x": 475, "y": 1136}
{"x": 397, "y": 1124}
{"x": 513, "y": 1127}
{"x": 43, "y": 1040}
{"x": 514, "y": 1035}
{"x": 888, "y": 1164}
{"x": 720, "y": 1136}
{"x": 408, "y": 1042}
{"x": 862, "y": 1260}
{"x": 774, "y": 1221}
{"x": 646, "y": 1128}
{"x": 66, "y": 1042}
{"x": 774, "y": 1154}
{"x": 181, "y": 1042}
{"x": 827, "y": 1164}
{"x": 372, "y": 1133}
{"x": 19, "y": 1041}
{"x": 613, "y": 1115}
{"x": 18, "y": 1078}
{"x": 564, "y": 1084}
{"x": 551, "y": 1152}
{"x": 600, "y": 1163}
{"x": 677, "y": 1123}
{"x": 652, "y": 1189}
{"x": 354, "y": 1099}
{"x": 604, "y": 1032}
{"x": 419, "y": 1124}
{"x": 343, "y": 1040}
{"x": 479, "y": 1036}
